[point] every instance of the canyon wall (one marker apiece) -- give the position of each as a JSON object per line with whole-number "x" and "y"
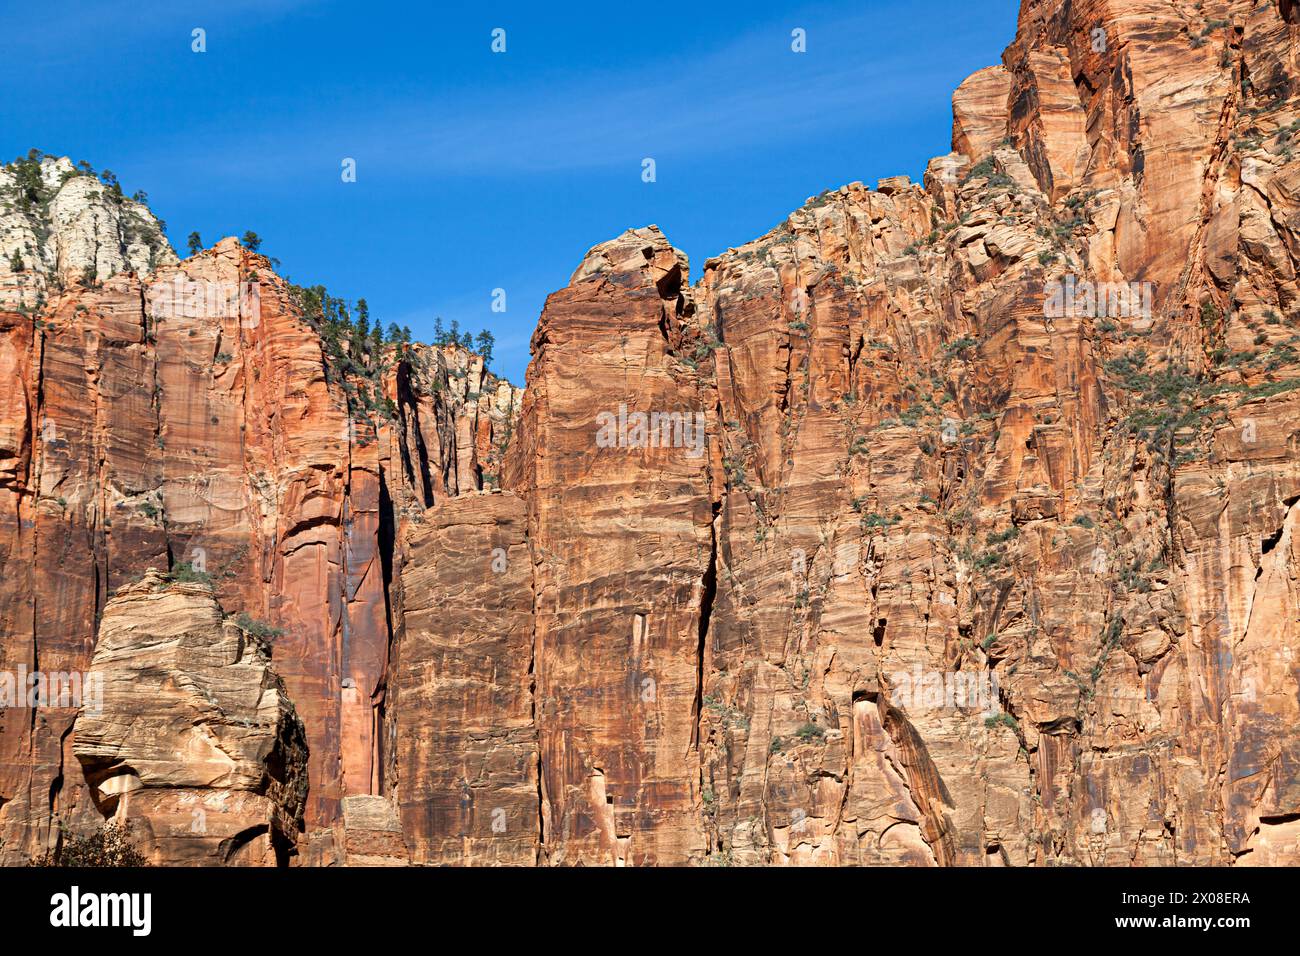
{"x": 193, "y": 421}
{"x": 949, "y": 523}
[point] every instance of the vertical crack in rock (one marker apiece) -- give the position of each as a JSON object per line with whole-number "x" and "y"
{"x": 708, "y": 592}
{"x": 379, "y": 694}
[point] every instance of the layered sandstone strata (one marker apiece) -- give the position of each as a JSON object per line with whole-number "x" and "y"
{"x": 188, "y": 734}
{"x": 921, "y": 467}
{"x": 622, "y": 550}
{"x": 194, "y": 418}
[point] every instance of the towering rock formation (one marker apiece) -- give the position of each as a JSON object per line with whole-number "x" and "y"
{"x": 193, "y": 417}
{"x": 949, "y": 523}
{"x": 61, "y": 223}
{"x": 619, "y": 526}
{"x": 171, "y": 677}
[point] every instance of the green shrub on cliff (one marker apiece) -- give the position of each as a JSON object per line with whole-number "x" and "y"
{"x": 109, "y": 846}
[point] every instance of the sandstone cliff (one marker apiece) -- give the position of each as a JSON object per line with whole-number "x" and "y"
{"x": 191, "y": 732}
{"x": 949, "y": 523}
{"x": 195, "y": 418}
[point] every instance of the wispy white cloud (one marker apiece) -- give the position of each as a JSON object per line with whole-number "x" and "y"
{"x": 746, "y": 94}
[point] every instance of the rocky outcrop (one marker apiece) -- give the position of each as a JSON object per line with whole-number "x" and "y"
{"x": 959, "y": 609}
{"x": 61, "y": 223}
{"x": 369, "y": 833}
{"x": 186, "y": 732}
{"x": 979, "y": 113}
{"x": 949, "y": 523}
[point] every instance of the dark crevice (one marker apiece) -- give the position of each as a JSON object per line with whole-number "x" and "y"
{"x": 417, "y": 464}
{"x": 664, "y": 331}
{"x": 533, "y": 716}
{"x": 670, "y": 284}
{"x": 309, "y": 524}
{"x": 228, "y": 848}
{"x": 1280, "y": 819}
{"x": 707, "y": 597}
{"x": 387, "y": 547}
{"x": 282, "y": 848}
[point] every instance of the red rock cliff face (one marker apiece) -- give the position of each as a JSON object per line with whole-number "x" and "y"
{"x": 946, "y": 524}
{"x": 925, "y": 473}
{"x": 193, "y": 419}
{"x": 621, "y": 543}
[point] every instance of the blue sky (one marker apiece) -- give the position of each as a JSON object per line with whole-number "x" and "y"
{"x": 478, "y": 170}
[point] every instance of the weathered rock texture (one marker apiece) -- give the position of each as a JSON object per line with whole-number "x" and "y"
{"x": 366, "y": 832}
{"x": 980, "y": 555}
{"x": 60, "y": 222}
{"x": 621, "y": 543}
{"x": 195, "y": 418}
{"x": 462, "y": 683}
{"x": 192, "y": 734}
